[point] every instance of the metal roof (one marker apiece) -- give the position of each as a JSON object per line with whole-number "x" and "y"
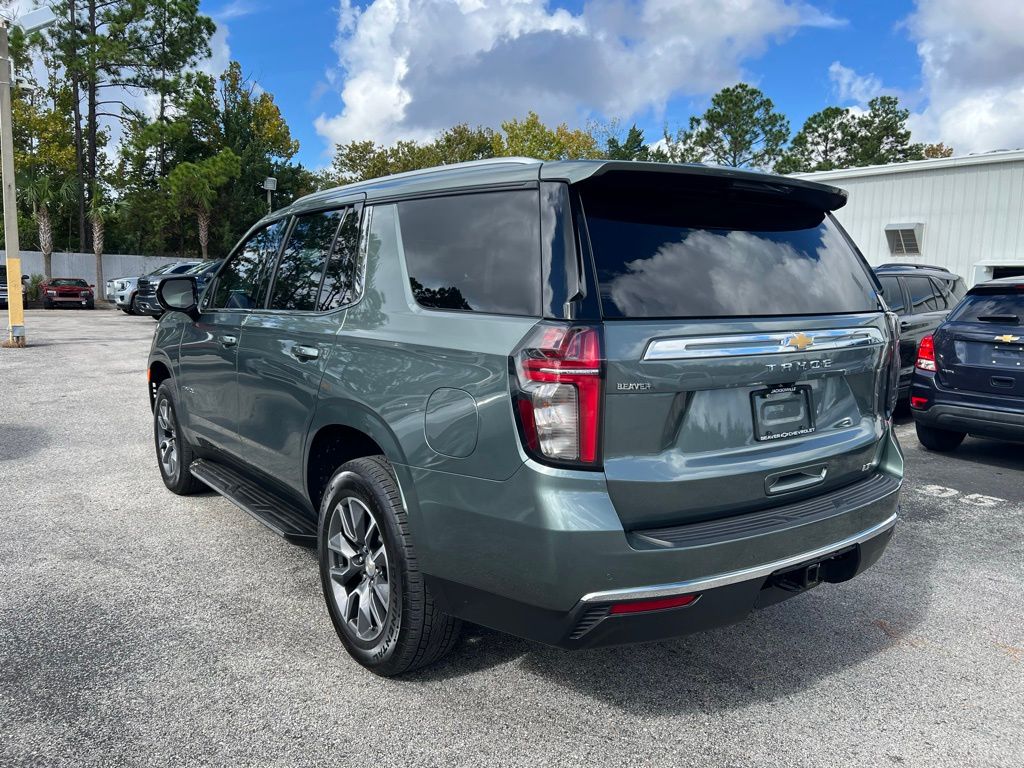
{"x": 514, "y": 171}
{"x": 986, "y": 158}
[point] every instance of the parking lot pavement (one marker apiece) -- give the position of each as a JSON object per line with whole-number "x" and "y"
{"x": 140, "y": 628}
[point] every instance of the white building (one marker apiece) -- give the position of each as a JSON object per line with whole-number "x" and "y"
{"x": 962, "y": 213}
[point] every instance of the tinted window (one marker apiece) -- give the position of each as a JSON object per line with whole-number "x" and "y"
{"x": 922, "y": 295}
{"x": 242, "y": 282}
{"x": 339, "y": 286}
{"x": 301, "y": 267}
{"x": 892, "y": 293}
{"x": 705, "y": 255}
{"x": 991, "y": 307}
{"x": 181, "y": 269}
{"x": 958, "y": 290}
{"x": 477, "y": 253}
{"x": 943, "y": 298}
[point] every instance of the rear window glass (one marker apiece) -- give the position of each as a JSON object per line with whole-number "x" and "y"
{"x": 923, "y": 296}
{"x": 721, "y": 256}
{"x": 991, "y": 307}
{"x": 474, "y": 253}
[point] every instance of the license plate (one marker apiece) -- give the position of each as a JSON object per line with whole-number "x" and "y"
{"x": 782, "y": 412}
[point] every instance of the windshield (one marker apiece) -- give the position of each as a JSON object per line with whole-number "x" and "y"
{"x": 198, "y": 269}
{"x": 69, "y": 282}
{"x": 162, "y": 270}
{"x": 665, "y": 255}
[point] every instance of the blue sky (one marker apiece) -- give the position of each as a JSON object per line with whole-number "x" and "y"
{"x": 406, "y": 68}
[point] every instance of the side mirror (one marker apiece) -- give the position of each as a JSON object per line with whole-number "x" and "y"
{"x": 178, "y": 294}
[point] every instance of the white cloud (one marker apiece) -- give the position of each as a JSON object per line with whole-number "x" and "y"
{"x": 972, "y": 69}
{"x": 236, "y": 9}
{"x": 850, "y": 86}
{"x": 408, "y": 68}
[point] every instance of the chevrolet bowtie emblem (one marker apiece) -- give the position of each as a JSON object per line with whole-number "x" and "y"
{"x": 1008, "y": 338}
{"x": 800, "y": 341}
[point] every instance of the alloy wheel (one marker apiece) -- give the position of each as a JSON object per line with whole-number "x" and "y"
{"x": 167, "y": 442}
{"x": 358, "y": 567}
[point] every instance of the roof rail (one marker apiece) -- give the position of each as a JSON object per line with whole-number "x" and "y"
{"x": 907, "y": 265}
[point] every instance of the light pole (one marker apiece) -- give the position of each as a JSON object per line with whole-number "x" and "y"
{"x": 30, "y": 22}
{"x": 270, "y": 184}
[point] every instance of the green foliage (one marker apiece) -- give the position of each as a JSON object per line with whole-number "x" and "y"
{"x": 821, "y": 144}
{"x": 632, "y": 147}
{"x": 881, "y": 136}
{"x": 32, "y": 290}
{"x": 740, "y": 129}
{"x": 932, "y": 151}
{"x": 531, "y": 138}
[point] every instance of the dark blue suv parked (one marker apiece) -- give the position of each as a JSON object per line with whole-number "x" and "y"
{"x": 969, "y": 375}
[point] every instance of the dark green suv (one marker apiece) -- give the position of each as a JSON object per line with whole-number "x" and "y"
{"x": 581, "y": 402}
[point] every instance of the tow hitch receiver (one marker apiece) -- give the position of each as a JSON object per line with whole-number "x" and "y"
{"x": 840, "y": 566}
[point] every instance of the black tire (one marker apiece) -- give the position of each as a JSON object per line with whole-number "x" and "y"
{"x": 133, "y": 308}
{"x": 90, "y": 305}
{"x": 47, "y": 305}
{"x": 178, "y": 479}
{"x": 940, "y": 440}
{"x": 415, "y": 632}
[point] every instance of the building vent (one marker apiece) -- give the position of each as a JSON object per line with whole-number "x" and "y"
{"x": 904, "y": 239}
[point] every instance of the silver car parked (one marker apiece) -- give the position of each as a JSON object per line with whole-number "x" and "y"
{"x": 123, "y": 291}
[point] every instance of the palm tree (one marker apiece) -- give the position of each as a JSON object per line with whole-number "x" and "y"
{"x": 100, "y": 212}
{"x": 43, "y": 193}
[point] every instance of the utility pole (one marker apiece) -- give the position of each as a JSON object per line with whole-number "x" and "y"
{"x": 40, "y": 18}
{"x": 15, "y": 303}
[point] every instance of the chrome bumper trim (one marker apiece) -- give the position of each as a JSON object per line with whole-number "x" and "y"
{"x": 734, "y": 577}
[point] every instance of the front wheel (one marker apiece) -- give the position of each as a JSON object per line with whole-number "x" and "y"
{"x": 376, "y": 596}
{"x": 173, "y": 453}
{"x": 941, "y": 440}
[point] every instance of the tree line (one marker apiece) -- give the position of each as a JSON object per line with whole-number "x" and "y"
{"x": 123, "y": 144}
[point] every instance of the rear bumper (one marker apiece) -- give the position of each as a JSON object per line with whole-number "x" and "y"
{"x": 976, "y": 414}
{"x": 552, "y": 567}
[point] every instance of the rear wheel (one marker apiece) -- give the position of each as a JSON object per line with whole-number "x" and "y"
{"x": 941, "y": 440}
{"x": 173, "y": 453}
{"x": 376, "y": 596}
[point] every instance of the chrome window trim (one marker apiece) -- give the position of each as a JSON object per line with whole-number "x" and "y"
{"x": 734, "y": 577}
{"x": 741, "y": 345}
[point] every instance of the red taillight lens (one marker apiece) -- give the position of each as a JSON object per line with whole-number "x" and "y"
{"x": 918, "y": 402}
{"x": 926, "y": 355}
{"x": 642, "y": 606}
{"x": 559, "y": 370}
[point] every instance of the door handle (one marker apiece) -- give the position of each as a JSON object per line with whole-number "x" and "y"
{"x": 300, "y": 352}
{"x": 228, "y": 341}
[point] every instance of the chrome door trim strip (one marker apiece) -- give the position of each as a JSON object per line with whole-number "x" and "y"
{"x": 740, "y": 345}
{"x": 734, "y": 577}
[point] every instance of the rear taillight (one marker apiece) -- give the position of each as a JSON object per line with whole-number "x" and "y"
{"x": 892, "y": 372}
{"x": 926, "y": 355}
{"x": 558, "y": 371}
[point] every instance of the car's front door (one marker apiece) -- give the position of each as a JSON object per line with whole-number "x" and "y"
{"x": 285, "y": 346}
{"x": 209, "y": 345}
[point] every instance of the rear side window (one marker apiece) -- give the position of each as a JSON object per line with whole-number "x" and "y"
{"x": 339, "y": 287}
{"x": 893, "y": 294}
{"x": 987, "y": 307}
{"x": 303, "y": 261}
{"x": 474, "y": 253}
{"x": 691, "y": 255}
{"x": 242, "y": 284}
{"x": 923, "y": 295}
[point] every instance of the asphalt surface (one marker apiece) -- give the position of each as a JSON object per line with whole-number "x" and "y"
{"x": 140, "y": 628}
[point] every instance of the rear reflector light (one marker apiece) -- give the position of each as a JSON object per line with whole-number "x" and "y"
{"x": 559, "y": 373}
{"x": 643, "y": 606}
{"x": 926, "y": 354}
{"x": 918, "y": 402}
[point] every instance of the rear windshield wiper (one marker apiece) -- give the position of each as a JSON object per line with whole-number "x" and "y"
{"x": 1013, "y": 319}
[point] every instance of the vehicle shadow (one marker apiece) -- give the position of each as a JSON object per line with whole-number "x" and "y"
{"x": 991, "y": 453}
{"x": 18, "y": 441}
{"x": 773, "y": 654}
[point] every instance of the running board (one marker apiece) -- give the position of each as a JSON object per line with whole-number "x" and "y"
{"x": 279, "y": 515}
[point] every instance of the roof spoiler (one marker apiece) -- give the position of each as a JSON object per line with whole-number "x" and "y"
{"x": 820, "y": 196}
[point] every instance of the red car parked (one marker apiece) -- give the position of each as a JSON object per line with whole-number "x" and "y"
{"x": 67, "y": 292}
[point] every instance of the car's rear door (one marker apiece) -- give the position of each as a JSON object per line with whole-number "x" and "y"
{"x": 286, "y": 345}
{"x": 981, "y": 348}
{"x": 209, "y": 344}
{"x": 746, "y": 351}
